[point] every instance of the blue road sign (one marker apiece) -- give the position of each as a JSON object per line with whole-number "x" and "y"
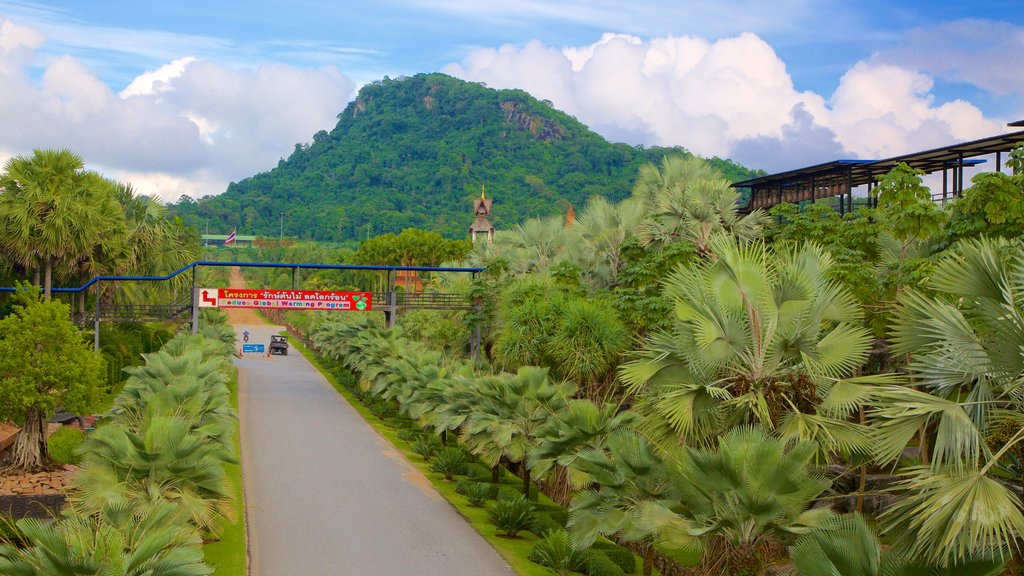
{"x": 253, "y": 349}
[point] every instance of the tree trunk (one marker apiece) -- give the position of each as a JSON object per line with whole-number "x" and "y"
{"x": 30, "y": 451}
{"x": 526, "y": 481}
{"x": 35, "y": 276}
{"x": 648, "y": 560}
{"x": 48, "y": 278}
{"x": 494, "y": 474}
{"x": 444, "y": 438}
{"x": 862, "y": 485}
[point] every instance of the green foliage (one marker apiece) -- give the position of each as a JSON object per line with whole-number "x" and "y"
{"x": 599, "y": 564}
{"x": 581, "y": 339}
{"x": 426, "y": 446}
{"x": 753, "y": 492}
{"x": 905, "y": 204}
{"x": 63, "y": 444}
{"x": 543, "y": 523}
{"x": 45, "y": 361}
{"x": 476, "y": 492}
{"x": 413, "y": 153}
{"x": 624, "y": 558}
{"x": 510, "y": 516}
{"x": 555, "y": 551}
{"x": 411, "y": 247}
{"x": 993, "y": 205}
{"x": 449, "y": 462}
{"x": 846, "y": 546}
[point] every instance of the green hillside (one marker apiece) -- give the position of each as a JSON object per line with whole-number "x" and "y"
{"x": 414, "y": 152}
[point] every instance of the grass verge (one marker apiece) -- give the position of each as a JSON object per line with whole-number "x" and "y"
{"x": 228, "y": 555}
{"x": 515, "y": 551}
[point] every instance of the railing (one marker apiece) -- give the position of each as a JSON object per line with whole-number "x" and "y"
{"x": 423, "y": 301}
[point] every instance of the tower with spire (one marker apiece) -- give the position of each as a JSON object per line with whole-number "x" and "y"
{"x": 482, "y": 225}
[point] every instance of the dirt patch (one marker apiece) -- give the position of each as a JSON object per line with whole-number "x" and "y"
{"x": 241, "y": 315}
{"x": 412, "y": 475}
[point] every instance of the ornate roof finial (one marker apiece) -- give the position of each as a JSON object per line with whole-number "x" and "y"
{"x": 482, "y": 191}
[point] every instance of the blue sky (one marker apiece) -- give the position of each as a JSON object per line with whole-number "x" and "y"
{"x": 182, "y": 97}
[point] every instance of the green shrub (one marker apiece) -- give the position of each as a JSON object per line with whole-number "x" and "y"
{"x": 476, "y": 492}
{"x": 426, "y": 446}
{"x": 409, "y": 435}
{"x": 381, "y": 409}
{"x": 450, "y": 461}
{"x": 557, "y": 513}
{"x": 506, "y": 492}
{"x": 621, "y": 556}
{"x": 598, "y": 564}
{"x": 543, "y": 523}
{"x": 556, "y": 552}
{"x": 483, "y": 473}
{"x": 63, "y": 443}
{"x": 511, "y": 516}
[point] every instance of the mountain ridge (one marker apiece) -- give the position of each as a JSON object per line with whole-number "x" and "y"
{"x": 414, "y": 152}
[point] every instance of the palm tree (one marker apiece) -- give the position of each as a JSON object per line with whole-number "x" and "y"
{"x": 121, "y": 540}
{"x": 511, "y": 410}
{"x": 687, "y": 199}
{"x": 600, "y": 235}
{"x": 623, "y": 475}
{"x": 582, "y": 425}
{"x": 846, "y": 546}
{"x": 965, "y": 345}
{"x": 739, "y": 503}
{"x": 758, "y": 337}
{"x": 164, "y": 460}
{"x": 51, "y": 211}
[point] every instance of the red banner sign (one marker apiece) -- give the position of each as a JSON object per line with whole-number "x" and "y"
{"x": 293, "y": 299}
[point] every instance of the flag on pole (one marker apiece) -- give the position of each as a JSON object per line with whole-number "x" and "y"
{"x": 231, "y": 237}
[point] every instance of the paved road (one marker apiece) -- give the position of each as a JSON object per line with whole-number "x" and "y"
{"x": 326, "y": 495}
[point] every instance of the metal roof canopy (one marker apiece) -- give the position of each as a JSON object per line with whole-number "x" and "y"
{"x": 865, "y": 171}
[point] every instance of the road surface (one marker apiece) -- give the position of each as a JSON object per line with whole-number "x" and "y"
{"x": 326, "y": 495}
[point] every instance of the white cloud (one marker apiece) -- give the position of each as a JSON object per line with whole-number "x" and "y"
{"x": 733, "y": 96}
{"x": 154, "y": 81}
{"x": 190, "y": 126}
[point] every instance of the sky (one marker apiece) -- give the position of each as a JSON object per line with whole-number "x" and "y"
{"x": 184, "y": 97}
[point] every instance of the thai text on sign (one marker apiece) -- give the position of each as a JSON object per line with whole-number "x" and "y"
{"x": 293, "y": 299}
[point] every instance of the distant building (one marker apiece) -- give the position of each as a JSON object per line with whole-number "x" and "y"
{"x": 217, "y": 240}
{"x": 482, "y": 225}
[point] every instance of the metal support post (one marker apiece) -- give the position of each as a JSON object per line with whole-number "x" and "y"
{"x": 96, "y": 323}
{"x": 195, "y": 303}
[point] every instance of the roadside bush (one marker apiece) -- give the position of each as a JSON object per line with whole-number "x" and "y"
{"x": 409, "y": 435}
{"x": 621, "y": 556}
{"x": 426, "y": 446}
{"x": 511, "y": 516}
{"x": 556, "y": 552}
{"x": 450, "y": 461}
{"x": 476, "y": 492}
{"x": 599, "y": 564}
{"x": 556, "y": 512}
{"x": 482, "y": 473}
{"x": 543, "y": 523}
{"x": 63, "y": 445}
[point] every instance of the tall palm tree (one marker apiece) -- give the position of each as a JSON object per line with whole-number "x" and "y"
{"x": 600, "y": 235}
{"x": 51, "y": 210}
{"x": 687, "y": 199}
{"x": 965, "y": 342}
{"x": 758, "y": 337}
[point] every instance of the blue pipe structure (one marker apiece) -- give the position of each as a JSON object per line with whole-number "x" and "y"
{"x": 372, "y": 267}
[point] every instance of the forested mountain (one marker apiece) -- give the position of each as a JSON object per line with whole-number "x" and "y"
{"x": 414, "y": 152}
